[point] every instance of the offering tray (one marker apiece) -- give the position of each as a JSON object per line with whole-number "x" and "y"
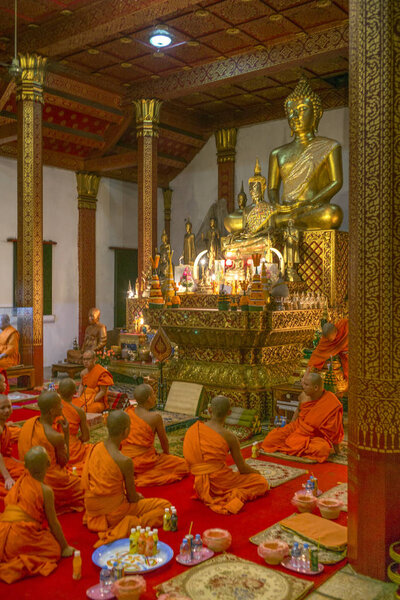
{"x": 206, "y": 554}
{"x": 287, "y": 563}
{"x": 118, "y": 551}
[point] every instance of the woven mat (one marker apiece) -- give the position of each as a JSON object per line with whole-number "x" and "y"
{"x": 340, "y": 459}
{"x": 276, "y": 532}
{"x": 227, "y": 577}
{"x": 273, "y": 473}
{"x": 346, "y": 584}
{"x": 339, "y": 492}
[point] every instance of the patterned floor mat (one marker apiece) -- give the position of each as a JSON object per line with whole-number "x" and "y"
{"x": 339, "y": 492}
{"x": 340, "y": 459}
{"x": 273, "y": 473}
{"x": 346, "y": 584}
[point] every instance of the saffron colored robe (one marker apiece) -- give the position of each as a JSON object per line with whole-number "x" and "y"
{"x": 313, "y": 433}
{"x": 326, "y": 349}
{"x": 91, "y": 386}
{"x": 77, "y": 449}
{"x": 108, "y": 511}
{"x": 8, "y": 437}
{"x": 4, "y": 373}
{"x": 215, "y": 483}
{"x": 9, "y": 345}
{"x": 68, "y": 494}
{"x": 150, "y": 468}
{"x": 27, "y": 547}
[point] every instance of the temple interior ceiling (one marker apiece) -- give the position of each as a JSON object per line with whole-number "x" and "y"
{"x": 230, "y": 63}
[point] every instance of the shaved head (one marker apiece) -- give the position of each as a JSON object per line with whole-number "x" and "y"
{"x": 117, "y": 422}
{"x": 47, "y": 401}
{"x": 142, "y": 393}
{"x": 37, "y": 460}
{"x": 316, "y": 379}
{"x": 2, "y": 383}
{"x": 67, "y": 387}
{"x": 89, "y": 354}
{"x": 4, "y": 321}
{"x": 313, "y": 385}
{"x": 220, "y": 406}
{"x": 5, "y": 408}
{"x": 329, "y": 331}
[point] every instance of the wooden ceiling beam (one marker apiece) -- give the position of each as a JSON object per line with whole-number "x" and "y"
{"x": 8, "y": 133}
{"x": 10, "y": 89}
{"x": 111, "y": 163}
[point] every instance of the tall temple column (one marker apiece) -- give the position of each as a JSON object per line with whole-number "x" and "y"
{"x": 167, "y": 193}
{"x": 225, "y": 140}
{"x": 147, "y": 120}
{"x": 87, "y": 186}
{"x": 374, "y": 287}
{"x": 29, "y": 94}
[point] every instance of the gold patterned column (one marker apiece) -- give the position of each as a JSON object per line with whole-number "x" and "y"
{"x": 88, "y": 187}
{"x": 29, "y": 94}
{"x": 225, "y": 140}
{"x": 374, "y": 292}
{"x": 147, "y": 120}
{"x": 167, "y": 193}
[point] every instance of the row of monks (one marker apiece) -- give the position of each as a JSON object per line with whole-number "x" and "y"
{"x": 58, "y": 472}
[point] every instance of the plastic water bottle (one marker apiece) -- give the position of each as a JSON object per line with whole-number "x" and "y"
{"x": 276, "y": 422}
{"x": 283, "y": 421}
{"x": 185, "y": 552}
{"x": 309, "y": 488}
{"x": 305, "y": 557}
{"x": 106, "y": 580}
{"x": 295, "y": 555}
{"x": 197, "y": 547}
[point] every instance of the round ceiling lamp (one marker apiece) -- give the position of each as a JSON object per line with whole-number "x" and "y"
{"x": 160, "y": 38}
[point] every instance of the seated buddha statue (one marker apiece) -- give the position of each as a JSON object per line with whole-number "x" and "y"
{"x": 95, "y": 338}
{"x": 309, "y": 167}
{"x": 234, "y": 222}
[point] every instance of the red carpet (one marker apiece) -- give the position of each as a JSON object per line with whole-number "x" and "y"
{"x": 256, "y": 516}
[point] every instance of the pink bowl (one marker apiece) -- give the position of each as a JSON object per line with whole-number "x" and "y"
{"x": 217, "y": 540}
{"x": 303, "y": 502}
{"x": 329, "y": 507}
{"x": 273, "y": 551}
{"x": 129, "y": 588}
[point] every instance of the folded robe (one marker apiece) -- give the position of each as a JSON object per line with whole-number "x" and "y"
{"x": 321, "y": 531}
{"x": 150, "y": 468}
{"x": 91, "y": 386}
{"x": 77, "y": 449}
{"x": 215, "y": 483}
{"x": 318, "y": 426}
{"x": 326, "y": 349}
{"x": 68, "y": 495}
{"x": 8, "y": 437}
{"x": 108, "y": 511}
{"x": 27, "y": 547}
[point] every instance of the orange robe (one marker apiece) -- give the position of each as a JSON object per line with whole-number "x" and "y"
{"x": 9, "y": 345}
{"x": 108, "y": 511}
{"x": 68, "y": 494}
{"x": 27, "y": 547}
{"x": 326, "y": 349}
{"x": 150, "y": 468}
{"x": 215, "y": 483}
{"x": 91, "y": 386}
{"x": 313, "y": 433}
{"x": 77, "y": 449}
{"x": 8, "y": 437}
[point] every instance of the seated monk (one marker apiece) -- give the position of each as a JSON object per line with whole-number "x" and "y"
{"x": 95, "y": 381}
{"x": 10, "y": 468}
{"x": 95, "y": 338}
{"x": 316, "y": 429}
{"x": 9, "y": 344}
{"x": 76, "y": 418}
{"x": 334, "y": 341}
{"x": 4, "y": 385}
{"x": 27, "y": 546}
{"x": 113, "y": 506}
{"x": 38, "y": 431}
{"x": 150, "y": 468}
{"x": 206, "y": 447}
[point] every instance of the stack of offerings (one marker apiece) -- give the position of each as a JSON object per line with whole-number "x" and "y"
{"x": 257, "y": 296}
{"x": 143, "y": 541}
{"x": 156, "y": 299}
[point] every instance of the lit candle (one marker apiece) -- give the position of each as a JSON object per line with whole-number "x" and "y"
{"x": 213, "y": 282}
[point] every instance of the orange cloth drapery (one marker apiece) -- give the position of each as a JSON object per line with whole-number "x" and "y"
{"x": 91, "y": 386}
{"x": 313, "y": 433}
{"x": 27, "y": 547}
{"x": 9, "y": 345}
{"x": 150, "y": 468}
{"x": 108, "y": 511}
{"x": 215, "y": 483}
{"x": 8, "y": 437}
{"x": 77, "y": 449}
{"x": 326, "y": 349}
{"x": 68, "y": 495}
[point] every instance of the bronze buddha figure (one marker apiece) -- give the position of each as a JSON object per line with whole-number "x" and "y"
{"x": 235, "y": 221}
{"x": 95, "y": 337}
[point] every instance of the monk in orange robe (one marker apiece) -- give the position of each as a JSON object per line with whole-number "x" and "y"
{"x": 27, "y": 547}
{"x": 206, "y": 447}
{"x": 113, "y": 506}
{"x": 76, "y": 418}
{"x": 10, "y": 468}
{"x": 4, "y": 386}
{"x": 95, "y": 381}
{"x": 316, "y": 429}
{"x": 39, "y": 431}
{"x": 334, "y": 341}
{"x": 9, "y": 343}
{"x": 150, "y": 468}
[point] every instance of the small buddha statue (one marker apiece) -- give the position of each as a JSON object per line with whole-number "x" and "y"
{"x": 165, "y": 250}
{"x": 95, "y": 337}
{"x": 309, "y": 167}
{"x": 291, "y": 256}
{"x": 213, "y": 243}
{"x": 189, "y": 247}
{"x": 236, "y": 221}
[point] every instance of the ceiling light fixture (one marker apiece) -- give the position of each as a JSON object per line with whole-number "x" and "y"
{"x": 160, "y": 38}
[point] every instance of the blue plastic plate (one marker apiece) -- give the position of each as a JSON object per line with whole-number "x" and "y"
{"x": 118, "y": 551}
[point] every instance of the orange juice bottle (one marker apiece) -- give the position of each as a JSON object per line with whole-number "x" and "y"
{"x": 77, "y": 565}
{"x": 141, "y": 543}
{"x": 149, "y": 545}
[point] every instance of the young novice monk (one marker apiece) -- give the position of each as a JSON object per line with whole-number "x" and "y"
{"x": 10, "y": 467}
{"x": 39, "y": 431}
{"x": 150, "y": 468}
{"x": 76, "y": 418}
{"x": 26, "y": 546}
{"x": 113, "y": 506}
{"x": 206, "y": 447}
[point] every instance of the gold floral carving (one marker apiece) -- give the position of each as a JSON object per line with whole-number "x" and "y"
{"x": 31, "y": 79}
{"x": 147, "y": 117}
{"x": 225, "y": 140}
{"x": 88, "y": 187}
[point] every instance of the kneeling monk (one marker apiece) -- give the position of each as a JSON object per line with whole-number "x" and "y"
{"x": 26, "y": 546}
{"x": 316, "y": 429}
{"x": 334, "y": 341}
{"x": 76, "y": 418}
{"x": 113, "y": 506}
{"x": 10, "y": 467}
{"x": 38, "y": 431}
{"x": 93, "y": 388}
{"x": 206, "y": 447}
{"x": 150, "y": 468}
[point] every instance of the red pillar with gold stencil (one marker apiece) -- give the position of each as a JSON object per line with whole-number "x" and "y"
{"x": 225, "y": 140}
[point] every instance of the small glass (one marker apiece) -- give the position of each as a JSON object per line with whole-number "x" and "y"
{"x": 106, "y": 581}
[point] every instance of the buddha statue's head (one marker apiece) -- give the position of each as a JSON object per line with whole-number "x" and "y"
{"x": 188, "y": 226}
{"x": 213, "y": 223}
{"x": 303, "y": 108}
{"x": 242, "y": 198}
{"x": 164, "y": 237}
{"x": 257, "y": 184}
{"x": 94, "y": 316}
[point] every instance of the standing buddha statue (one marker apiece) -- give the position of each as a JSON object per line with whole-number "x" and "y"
{"x": 291, "y": 256}
{"x": 189, "y": 248}
{"x": 165, "y": 250}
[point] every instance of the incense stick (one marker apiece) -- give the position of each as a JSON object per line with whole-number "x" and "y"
{"x": 190, "y": 528}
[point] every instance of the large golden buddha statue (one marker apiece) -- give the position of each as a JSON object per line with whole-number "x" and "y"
{"x": 309, "y": 167}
